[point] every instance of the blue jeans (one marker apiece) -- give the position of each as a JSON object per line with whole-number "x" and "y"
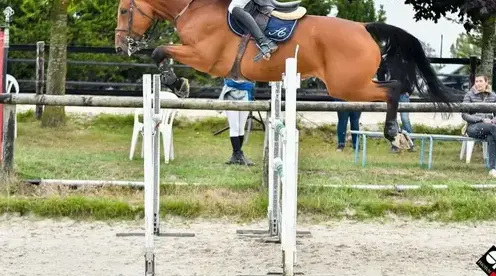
{"x": 343, "y": 123}
{"x": 405, "y": 116}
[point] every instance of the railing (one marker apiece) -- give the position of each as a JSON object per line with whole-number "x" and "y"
{"x": 132, "y": 87}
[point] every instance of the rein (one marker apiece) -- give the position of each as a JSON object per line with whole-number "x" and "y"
{"x": 134, "y": 45}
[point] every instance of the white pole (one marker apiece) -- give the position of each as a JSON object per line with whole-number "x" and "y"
{"x": 274, "y": 149}
{"x": 277, "y": 154}
{"x": 156, "y": 154}
{"x": 270, "y": 208}
{"x": 289, "y": 198}
{"x": 148, "y": 174}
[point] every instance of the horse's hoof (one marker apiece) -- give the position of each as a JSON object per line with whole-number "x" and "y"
{"x": 391, "y": 130}
{"x": 183, "y": 91}
{"x": 402, "y": 141}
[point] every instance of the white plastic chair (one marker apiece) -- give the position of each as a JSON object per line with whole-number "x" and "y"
{"x": 11, "y": 82}
{"x": 165, "y": 129}
{"x": 468, "y": 148}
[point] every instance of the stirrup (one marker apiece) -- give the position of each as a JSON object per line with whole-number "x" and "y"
{"x": 265, "y": 51}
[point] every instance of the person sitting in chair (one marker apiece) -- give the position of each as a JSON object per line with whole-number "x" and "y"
{"x": 248, "y": 23}
{"x": 237, "y": 91}
{"x": 482, "y": 125}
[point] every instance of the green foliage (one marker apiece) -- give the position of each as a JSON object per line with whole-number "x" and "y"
{"x": 474, "y": 13}
{"x": 360, "y": 10}
{"x": 322, "y": 7}
{"x": 465, "y": 46}
{"x": 469, "y": 10}
{"x": 90, "y": 23}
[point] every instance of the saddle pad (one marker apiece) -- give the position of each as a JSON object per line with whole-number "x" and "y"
{"x": 277, "y": 29}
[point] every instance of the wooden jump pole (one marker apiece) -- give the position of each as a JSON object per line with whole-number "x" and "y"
{"x": 214, "y": 104}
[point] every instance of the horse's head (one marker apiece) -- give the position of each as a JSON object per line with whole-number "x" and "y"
{"x": 134, "y": 18}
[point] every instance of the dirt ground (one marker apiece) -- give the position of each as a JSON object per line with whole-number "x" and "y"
{"x": 30, "y": 246}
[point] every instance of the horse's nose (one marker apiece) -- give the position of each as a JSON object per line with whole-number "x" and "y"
{"x": 118, "y": 49}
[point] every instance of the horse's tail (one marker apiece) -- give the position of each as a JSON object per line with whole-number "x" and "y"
{"x": 405, "y": 58}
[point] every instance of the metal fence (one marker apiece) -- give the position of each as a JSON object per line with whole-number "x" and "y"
{"x": 314, "y": 89}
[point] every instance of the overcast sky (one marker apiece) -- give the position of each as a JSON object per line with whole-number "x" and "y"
{"x": 401, "y": 15}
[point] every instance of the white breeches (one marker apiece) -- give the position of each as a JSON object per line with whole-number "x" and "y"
{"x": 237, "y": 121}
{"x": 238, "y": 3}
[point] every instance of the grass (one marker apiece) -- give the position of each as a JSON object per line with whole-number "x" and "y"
{"x": 98, "y": 148}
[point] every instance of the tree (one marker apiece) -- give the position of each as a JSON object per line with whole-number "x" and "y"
{"x": 54, "y": 116}
{"x": 472, "y": 13}
{"x": 465, "y": 46}
{"x": 315, "y": 7}
{"x": 360, "y": 10}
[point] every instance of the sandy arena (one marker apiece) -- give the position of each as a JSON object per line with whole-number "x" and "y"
{"x": 68, "y": 248}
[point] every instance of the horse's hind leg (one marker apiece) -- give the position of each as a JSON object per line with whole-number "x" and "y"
{"x": 388, "y": 92}
{"x": 391, "y": 128}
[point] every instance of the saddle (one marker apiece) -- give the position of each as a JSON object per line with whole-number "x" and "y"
{"x": 276, "y": 19}
{"x": 265, "y": 10}
{"x": 282, "y": 10}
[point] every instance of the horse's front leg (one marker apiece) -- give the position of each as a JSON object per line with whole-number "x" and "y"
{"x": 182, "y": 53}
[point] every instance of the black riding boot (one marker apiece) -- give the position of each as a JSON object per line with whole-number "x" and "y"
{"x": 236, "y": 154}
{"x": 246, "y": 161}
{"x": 248, "y": 23}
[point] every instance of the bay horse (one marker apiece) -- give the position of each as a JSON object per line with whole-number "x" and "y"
{"x": 344, "y": 54}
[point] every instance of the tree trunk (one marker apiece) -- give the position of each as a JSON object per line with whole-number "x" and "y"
{"x": 487, "y": 47}
{"x": 54, "y": 116}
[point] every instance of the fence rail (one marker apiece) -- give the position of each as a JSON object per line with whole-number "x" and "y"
{"x": 207, "y": 104}
{"x": 456, "y": 81}
{"x": 111, "y": 50}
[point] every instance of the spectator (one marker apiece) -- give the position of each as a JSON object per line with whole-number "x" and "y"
{"x": 343, "y": 117}
{"x": 237, "y": 91}
{"x": 482, "y": 125}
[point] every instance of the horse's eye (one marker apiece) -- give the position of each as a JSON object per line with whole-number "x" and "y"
{"x": 123, "y": 11}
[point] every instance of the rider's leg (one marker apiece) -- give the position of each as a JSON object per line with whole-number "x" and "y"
{"x": 248, "y": 23}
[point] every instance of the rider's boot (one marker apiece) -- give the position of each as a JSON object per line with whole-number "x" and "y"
{"x": 248, "y": 23}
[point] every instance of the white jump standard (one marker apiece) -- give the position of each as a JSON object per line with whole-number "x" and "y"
{"x": 283, "y": 170}
{"x": 151, "y": 121}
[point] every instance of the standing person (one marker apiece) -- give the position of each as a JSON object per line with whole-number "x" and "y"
{"x": 482, "y": 125}
{"x": 343, "y": 117}
{"x": 237, "y": 91}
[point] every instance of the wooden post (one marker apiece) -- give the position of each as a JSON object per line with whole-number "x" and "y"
{"x": 493, "y": 83}
{"x": 473, "y": 69}
{"x": 8, "y": 139}
{"x": 40, "y": 75}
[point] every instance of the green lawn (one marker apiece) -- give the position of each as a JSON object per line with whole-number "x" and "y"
{"x": 99, "y": 149}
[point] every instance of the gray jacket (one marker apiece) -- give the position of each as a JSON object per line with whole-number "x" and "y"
{"x": 473, "y": 96}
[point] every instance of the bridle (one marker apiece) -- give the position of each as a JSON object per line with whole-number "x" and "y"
{"x": 134, "y": 45}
